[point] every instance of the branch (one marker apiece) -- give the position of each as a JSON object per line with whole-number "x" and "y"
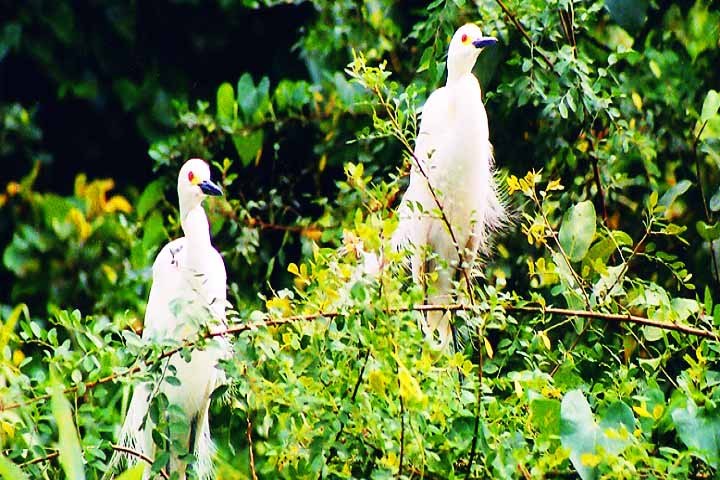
{"x": 141, "y": 456}
{"x": 708, "y": 218}
{"x": 46, "y": 458}
{"x": 610, "y": 317}
{"x": 619, "y": 318}
{"x": 250, "y": 448}
{"x": 524, "y": 33}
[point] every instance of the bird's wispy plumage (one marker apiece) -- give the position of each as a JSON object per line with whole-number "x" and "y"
{"x": 188, "y": 292}
{"x": 454, "y": 152}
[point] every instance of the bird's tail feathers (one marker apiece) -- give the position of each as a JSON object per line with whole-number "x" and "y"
{"x": 204, "y": 449}
{"x": 132, "y": 434}
{"x": 438, "y": 329}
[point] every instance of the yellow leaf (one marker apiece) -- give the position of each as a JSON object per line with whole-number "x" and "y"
{"x": 8, "y": 429}
{"x": 13, "y": 188}
{"x": 518, "y": 389}
{"x": 488, "y": 347}
{"x": 531, "y": 266}
{"x": 81, "y": 224}
{"x": 378, "y": 381}
{"x": 118, "y": 203}
{"x": 513, "y": 184}
{"x": 637, "y": 101}
{"x": 554, "y": 185}
{"x": 409, "y": 386}
{"x": 293, "y": 268}
{"x": 110, "y": 273}
{"x": 281, "y": 305}
{"x": 80, "y": 182}
{"x": 311, "y": 232}
{"x": 657, "y": 411}
{"x": 545, "y": 339}
{"x": 642, "y": 410}
{"x": 17, "y": 357}
{"x": 590, "y": 459}
{"x": 7, "y": 327}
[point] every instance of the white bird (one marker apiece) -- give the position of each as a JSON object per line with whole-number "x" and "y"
{"x": 188, "y": 291}
{"x": 454, "y": 152}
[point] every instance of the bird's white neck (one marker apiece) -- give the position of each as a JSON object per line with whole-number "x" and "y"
{"x": 195, "y": 226}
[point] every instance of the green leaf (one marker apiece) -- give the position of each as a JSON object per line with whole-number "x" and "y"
{"x": 71, "y": 458}
{"x": 715, "y": 201}
{"x": 605, "y": 247}
{"x": 153, "y": 235}
{"x": 700, "y": 431}
{"x": 225, "y": 103}
{"x": 710, "y": 105}
{"x": 578, "y": 431}
{"x": 150, "y": 197}
{"x": 254, "y": 102}
{"x": 708, "y": 232}
{"x": 673, "y": 192}
{"x": 10, "y": 471}
{"x": 629, "y": 14}
{"x": 577, "y": 230}
{"x": 545, "y": 415}
{"x": 617, "y": 417}
{"x": 248, "y": 146}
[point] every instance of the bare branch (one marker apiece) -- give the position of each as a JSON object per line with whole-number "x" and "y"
{"x": 141, "y": 456}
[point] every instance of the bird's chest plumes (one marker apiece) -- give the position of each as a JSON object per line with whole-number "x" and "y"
{"x": 182, "y": 283}
{"x": 463, "y": 152}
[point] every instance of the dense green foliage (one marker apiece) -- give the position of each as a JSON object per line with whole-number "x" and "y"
{"x": 589, "y": 346}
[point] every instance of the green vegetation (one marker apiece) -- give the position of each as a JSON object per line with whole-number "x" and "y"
{"x": 590, "y": 349}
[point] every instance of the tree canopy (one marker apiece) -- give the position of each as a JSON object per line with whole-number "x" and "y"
{"x": 590, "y": 339}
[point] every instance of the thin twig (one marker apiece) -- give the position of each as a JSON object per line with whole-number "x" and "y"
{"x": 598, "y": 181}
{"x": 141, "y": 456}
{"x": 402, "y": 433}
{"x": 46, "y": 458}
{"x": 708, "y": 217}
{"x": 250, "y": 448}
{"x": 520, "y": 28}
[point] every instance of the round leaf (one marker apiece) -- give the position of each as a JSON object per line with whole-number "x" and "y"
{"x": 577, "y": 230}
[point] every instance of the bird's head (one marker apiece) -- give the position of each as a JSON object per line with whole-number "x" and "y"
{"x": 194, "y": 184}
{"x": 465, "y": 46}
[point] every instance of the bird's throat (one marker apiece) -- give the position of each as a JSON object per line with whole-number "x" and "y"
{"x": 196, "y": 227}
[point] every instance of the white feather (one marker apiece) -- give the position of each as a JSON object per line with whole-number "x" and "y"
{"x": 454, "y": 151}
{"x": 188, "y": 291}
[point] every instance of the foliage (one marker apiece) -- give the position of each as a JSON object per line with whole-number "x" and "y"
{"x": 591, "y": 345}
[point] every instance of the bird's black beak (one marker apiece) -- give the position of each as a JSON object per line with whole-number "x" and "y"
{"x": 209, "y": 188}
{"x": 483, "y": 42}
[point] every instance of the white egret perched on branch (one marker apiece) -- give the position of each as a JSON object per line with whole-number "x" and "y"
{"x": 188, "y": 292}
{"x": 451, "y": 205}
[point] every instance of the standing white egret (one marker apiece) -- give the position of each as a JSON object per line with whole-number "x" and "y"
{"x": 188, "y": 290}
{"x": 455, "y": 154}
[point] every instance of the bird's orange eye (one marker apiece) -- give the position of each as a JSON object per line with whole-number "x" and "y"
{"x": 191, "y": 176}
{"x": 464, "y": 38}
